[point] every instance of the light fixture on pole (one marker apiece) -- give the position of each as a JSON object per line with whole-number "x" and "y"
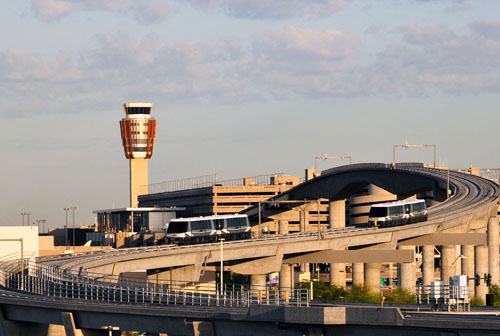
{"x": 326, "y": 157}
{"x": 73, "y": 208}
{"x": 406, "y": 146}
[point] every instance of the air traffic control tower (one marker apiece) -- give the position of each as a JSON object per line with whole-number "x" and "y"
{"x": 138, "y": 135}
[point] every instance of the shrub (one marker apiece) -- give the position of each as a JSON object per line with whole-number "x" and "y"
{"x": 361, "y": 293}
{"x": 495, "y": 290}
{"x": 325, "y": 291}
{"x": 400, "y": 295}
{"x": 476, "y": 301}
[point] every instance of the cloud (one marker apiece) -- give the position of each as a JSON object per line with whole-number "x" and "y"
{"x": 292, "y": 62}
{"x": 487, "y": 28}
{"x": 435, "y": 59}
{"x": 276, "y": 9}
{"x": 421, "y": 34}
{"x": 144, "y": 11}
{"x": 21, "y": 66}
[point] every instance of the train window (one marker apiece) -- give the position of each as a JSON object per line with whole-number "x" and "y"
{"x": 378, "y": 212}
{"x": 408, "y": 208}
{"x": 236, "y": 222}
{"x": 201, "y": 225}
{"x": 419, "y": 206}
{"x": 396, "y": 210}
{"x": 177, "y": 227}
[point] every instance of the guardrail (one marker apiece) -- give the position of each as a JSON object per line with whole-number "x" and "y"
{"x": 53, "y": 282}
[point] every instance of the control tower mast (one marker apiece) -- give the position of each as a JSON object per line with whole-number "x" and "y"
{"x": 138, "y": 136}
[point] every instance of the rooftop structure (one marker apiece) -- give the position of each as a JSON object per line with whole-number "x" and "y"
{"x": 144, "y": 219}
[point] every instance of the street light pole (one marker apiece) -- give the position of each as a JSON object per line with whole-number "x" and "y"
{"x": 66, "y": 227}
{"x": 222, "y": 264}
{"x": 460, "y": 256}
{"x": 73, "y": 208}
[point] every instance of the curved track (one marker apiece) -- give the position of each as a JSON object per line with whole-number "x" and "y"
{"x": 469, "y": 194}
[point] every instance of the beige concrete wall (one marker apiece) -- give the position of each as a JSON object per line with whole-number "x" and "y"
{"x": 12, "y": 249}
{"x": 45, "y": 243}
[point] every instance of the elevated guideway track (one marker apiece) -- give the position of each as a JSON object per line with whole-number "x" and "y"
{"x": 470, "y": 197}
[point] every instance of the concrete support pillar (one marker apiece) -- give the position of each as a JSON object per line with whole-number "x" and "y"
{"x": 427, "y": 264}
{"x": 337, "y": 274}
{"x": 286, "y": 276}
{"x": 336, "y": 219}
{"x": 468, "y": 266}
{"x": 69, "y": 324}
{"x": 493, "y": 249}
{"x": 358, "y": 274}
{"x": 448, "y": 256}
{"x": 203, "y": 328}
{"x": 304, "y": 220}
{"x": 481, "y": 259}
{"x": 258, "y": 281}
{"x": 406, "y": 272}
{"x": 336, "y": 214}
{"x": 283, "y": 227}
{"x": 372, "y": 276}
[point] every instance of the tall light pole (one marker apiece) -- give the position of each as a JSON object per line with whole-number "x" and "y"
{"x": 22, "y": 216}
{"x": 406, "y": 146}
{"x": 222, "y": 264}
{"x": 28, "y": 213}
{"x": 73, "y": 208}
{"x": 66, "y": 226}
{"x": 326, "y": 157}
{"x": 38, "y": 221}
{"x": 460, "y": 256}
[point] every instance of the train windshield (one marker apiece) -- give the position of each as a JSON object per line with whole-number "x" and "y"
{"x": 177, "y": 227}
{"x": 378, "y": 212}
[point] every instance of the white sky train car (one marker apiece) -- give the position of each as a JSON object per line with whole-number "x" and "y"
{"x": 207, "y": 229}
{"x": 397, "y": 213}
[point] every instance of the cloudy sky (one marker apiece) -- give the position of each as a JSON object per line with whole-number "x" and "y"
{"x": 240, "y": 88}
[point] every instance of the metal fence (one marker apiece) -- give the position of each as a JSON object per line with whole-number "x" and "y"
{"x": 52, "y": 282}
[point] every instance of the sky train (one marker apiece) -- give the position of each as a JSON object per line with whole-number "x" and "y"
{"x": 397, "y": 213}
{"x": 208, "y": 229}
